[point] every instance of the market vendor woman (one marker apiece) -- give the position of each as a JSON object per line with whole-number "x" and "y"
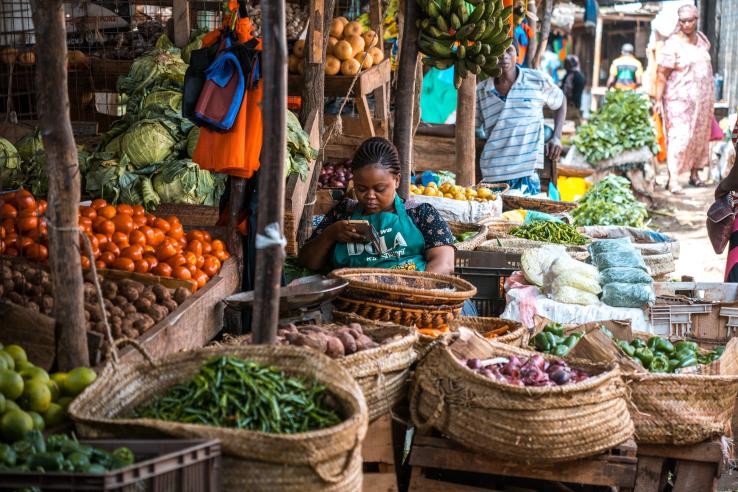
{"x": 412, "y": 237}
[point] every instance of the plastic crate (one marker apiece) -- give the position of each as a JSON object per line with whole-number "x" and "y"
{"x": 167, "y": 466}
{"x": 483, "y": 272}
{"x": 676, "y": 320}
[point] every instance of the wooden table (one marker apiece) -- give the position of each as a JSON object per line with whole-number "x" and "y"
{"x": 378, "y": 452}
{"x": 695, "y": 468}
{"x": 431, "y": 455}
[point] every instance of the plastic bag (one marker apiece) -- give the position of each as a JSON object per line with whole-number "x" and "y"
{"x": 624, "y": 275}
{"x": 571, "y": 295}
{"x": 609, "y": 245}
{"x": 628, "y": 259}
{"x": 567, "y": 272}
{"x": 628, "y": 295}
{"x": 536, "y": 262}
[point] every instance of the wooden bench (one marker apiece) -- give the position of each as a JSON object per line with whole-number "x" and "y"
{"x": 378, "y": 452}
{"x": 695, "y": 468}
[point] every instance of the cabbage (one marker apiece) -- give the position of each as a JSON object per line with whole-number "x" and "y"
{"x": 156, "y": 68}
{"x": 10, "y": 165}
{"x": 192, "y": 139}
{"x": 30, "y": 145}
{"x": 164, "y": 99}
{"x": 147, "y": 142}
{"x": 183, "y": 181}
{"x": 113, "y": 147}
{"x": 195, "y": 43}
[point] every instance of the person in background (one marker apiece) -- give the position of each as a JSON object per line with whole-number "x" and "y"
{"x": 726, "y": 186}
{"x": 685, "y": 98}
{"x": 573, "y": 87}
{"x": 510, "y": 111}
{"x": 626, "y": 72}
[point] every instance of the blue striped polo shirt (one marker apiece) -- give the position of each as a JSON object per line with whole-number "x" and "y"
{"x": 514, "y": 124}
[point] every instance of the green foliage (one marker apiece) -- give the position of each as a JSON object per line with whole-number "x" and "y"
{"x": 299, "y": 152}
{"x": 610, "y": 202}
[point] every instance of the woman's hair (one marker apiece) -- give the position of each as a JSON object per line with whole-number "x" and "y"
{"x": 377, "y": 151}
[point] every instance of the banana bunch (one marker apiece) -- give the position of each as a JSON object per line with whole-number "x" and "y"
{"x": 469, "y": 36}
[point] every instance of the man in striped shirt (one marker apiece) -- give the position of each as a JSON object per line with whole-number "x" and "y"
{"x": 510, "y": 111}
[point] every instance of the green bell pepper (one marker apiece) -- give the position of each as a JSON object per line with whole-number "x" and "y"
{"x": 665, "y": 346}
{"x": 683, "y": 344}
{"x": 687, "y": 362}
{"x": 651, "y": 343}
{"x": 555, "y": 328}
{"x": 645, "y": 355}
{"x": 94, "y": 468}
{"x": 571, "y": 341}
{"x": 122, "y": 457}
{"x": 638, "y": 343}
{"x": 627, "y": 348}
{"x": 53, "y": 461}
{"x": 541, "y": 343}
{"x": 23, "y": 450}
{"x": 673, "y": 364}
{"x": 659, "y": 364}
{"x": 561, "y": 350}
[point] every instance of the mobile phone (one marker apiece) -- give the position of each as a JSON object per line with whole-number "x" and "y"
{"x": 367, "y": 231}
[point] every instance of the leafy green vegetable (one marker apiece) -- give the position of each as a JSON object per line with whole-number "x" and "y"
{"x": 30, "y": 146}
{"x": 623, "y": 123}
{"x": 182, "y": 181}
{"x": 147, "y": 142}
{"x": 10, "y": 165}
{"x": 610, "y": 202}
{"x": 299, "y": 152}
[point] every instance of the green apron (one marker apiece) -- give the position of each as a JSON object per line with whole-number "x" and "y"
{"x": 402, "y": 242}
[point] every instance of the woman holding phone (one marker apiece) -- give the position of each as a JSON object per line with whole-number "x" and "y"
{"x": 409, "y": 236}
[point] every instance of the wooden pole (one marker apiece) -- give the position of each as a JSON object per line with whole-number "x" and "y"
{"x": 313, "y": 99}
{"x": 404, "y": 100}
{"x": 533, "y": 42}
{"x": 236, "y": 196}
{"x": 466, "y": 103}
{"x": 181, "y": 17}
{"x": 545, "y": 31}
{"x": 64, "y": 183}
{"x": 376, "y": 19}
{"x": 270, "y": 237}
{"x": 597, "y": 60}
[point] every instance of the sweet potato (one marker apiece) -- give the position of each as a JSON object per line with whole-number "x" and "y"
{"x": 348, "y": 342}
{"x": 334, "y": 347}
{"x": 169, "y": 304}
{"x": 161, "y": 292}
{"x": 157, "y": 313}
{"x": 312, "y": 340}
{"x": 365, "y": 343}
{"x": 181, "y": 294}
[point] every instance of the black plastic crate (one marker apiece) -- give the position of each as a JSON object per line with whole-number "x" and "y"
{"x": 484, "y": 273}
{"x": 161, "y": 466}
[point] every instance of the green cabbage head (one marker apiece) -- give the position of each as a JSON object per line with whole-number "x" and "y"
{"x": 30, "y": 145}
{"x": 192, "y": 139}
{"x": 10, "y": 165}
{"x": 147, "y": 142}
{"x": 182, "y": 181}
{"x": 164, "y": 99}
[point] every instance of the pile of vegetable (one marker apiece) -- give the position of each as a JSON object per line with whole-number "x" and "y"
{"x": 455, "y": 192}
{"x": 60, "y": 453}
{"x": 132, "y": 308}
{"x": 335, "y": 176}
{"x": 229, "y": 391}
{"x": 30, "y": 398}
{"x": 660, "y": 355}
{"x": 622, "y": 123}
{"x": 122, "y": 238}
{"x": 465, "y": 236}
{"x": 295, "y": 19}
{"x": 535, "y": 371}
{"x": 550, "y": 232}
{"x": 610, "y": 202}
{"x": 299, "y": 152}
{"x": 553, "y": 341}
{"x": 336, "y": 341}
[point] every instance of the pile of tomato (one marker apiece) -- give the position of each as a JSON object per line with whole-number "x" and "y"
{"x": 123, "y": 237}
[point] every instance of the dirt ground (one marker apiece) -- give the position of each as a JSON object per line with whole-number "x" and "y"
{"x": 683, "y": 217}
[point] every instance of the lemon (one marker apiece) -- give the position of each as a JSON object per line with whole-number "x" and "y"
{"x": 36, "y": 396}
{"x": 55, "y": 415}
{"x": 9, "y": 362}
{"x": 17, "y": 353}
{"x": 471, "y": 193}
{"x": 448, "y": 195}
{"x": 445, "y": 187}
{"x": 11, "y": 384}
{"x": 432, "y": 184}
{"x": 460, "y": 196}
{"x": 55, "y": 390}
{"x": 78, "y": 379}
{"x": 38, "y": 421}
{"x": 34, "y": 373}
{"x": 429, "y": 191}
{"x": 484, "y": 192}
{"x": 15, "y": 424}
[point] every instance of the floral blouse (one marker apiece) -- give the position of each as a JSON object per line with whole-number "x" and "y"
{"x": 425, "y": 217}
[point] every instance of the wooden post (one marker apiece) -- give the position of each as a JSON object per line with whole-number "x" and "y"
{"x": 181, "y": 18}
{"x": 597, "y": 60}
{"x": 466, "y": 154}
{"x": 313, "y": 100}
{"x": 376, "y": 19}
{"x": 270, "y": 235}
{"x": 64, "y": 183}
{"x": 404, "y": 100}
{"x": 545, "y": 31}
{"x": 235, "y": 206}
{"x": 533, "y": 42}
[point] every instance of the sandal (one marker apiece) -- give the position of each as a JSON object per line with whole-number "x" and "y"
{"x": 697, "y": 183}
{"x": 677, "y": 191}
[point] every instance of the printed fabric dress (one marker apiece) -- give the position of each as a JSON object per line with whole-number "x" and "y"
{"x": 688, "y": 102}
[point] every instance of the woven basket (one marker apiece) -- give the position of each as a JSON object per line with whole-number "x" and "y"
{"x": 660, "y": 265}
{"x": 290, "y": 233}
{"x": 405, "y": 314}
{"x": 512, "y": 202}
{"x": 515, "y": 245}
{"x": 499, "y": 227}
{"x": 528, "y": 424}
{"x": 471, "y": 244}
{"x": 326, "y": 459}
{"x": 500, "y": 330}
{"x": 409, "y": 287}
{"x": 498, "y": 188}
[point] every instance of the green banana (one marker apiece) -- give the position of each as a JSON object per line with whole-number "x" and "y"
{"x": 477, "y": 32}
{"x": 474, "y": 49}
{"x": 462, "y": 11}
{"x": 480, "y": 60}
{"x": 476, "y": 16}
{"x": 445, "y": 7}
{"x": 506, "y": 13}
{"x": 472, "y": 67}
{"x": 491, "y": 9}
{"x": 425, "y": 24}
{"x": 441, "y": 23}
{"x": 475, "y": 2}
{"x": 433, "y": 10}
{"x": 434, "y": 32}
{"x": 498, "y": 39}
{"x": 455, "y": 21}
{"x": 461, "y": 52}
{"x": 433, "y": 47}
{"x": 463, "y": 33}
{"x": 457, "y": 78}
{"x": 485, "y": 49}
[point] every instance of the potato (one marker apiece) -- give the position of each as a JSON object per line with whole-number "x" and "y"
{"x": 37, "y": 291}
{"x": 129, "y": 309}
{"x": 348, "y": 342}
{"x": 110, "y": 289}
{"x": 89, "y": 291}
{"x": 157, "y": 313}
{"x": 133, "y": 284}
{"x": 334, "y": 347}
{"x": 116, "y": 331}
{"x": 130, "y": 293}
{"x": 33, "y": 306}
{"x": 115, "y": 312}
{"x": 95, "y": 312}
{"x": 87, "y": 315}
{"x": 142, "y": 305}
{"x": 365, "y": 343}
{"x": 148, "y": 293}
{"x": 98, "y": 327}
{"x": 130, "y": 332}
{"x": 181, "y": 294}
{"x": 143, "y": 324}
{"x": 162, "y": 292}
{"x": 120, "y": 301}
{"x": 170, "y": 305}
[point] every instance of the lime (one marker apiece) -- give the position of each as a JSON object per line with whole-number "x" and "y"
{"x": 36, "y": 373}
{"x": 23, "y": 364}
{"x": 38, "y": 421}
{"x": 59, "y": 378}
{"x": 14, "y": 425}
{"x": 55, "y": 415}
{"x": 78, "y": 379}
{"x": 54, "y": 388}
{"x": 2, "y": 404}
{"x": 11, "y": 405}
{"x": 4, "y": 364}
{"x": 17, "y": 353}
{"x": 8, "y": 359}
{"x": 64, "y": 402}
{"x": 11, "y": 384}
{"x": 36, "y": 396}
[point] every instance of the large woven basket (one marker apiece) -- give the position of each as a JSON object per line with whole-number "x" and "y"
{"x": 470, "y": 244}
{"x": 405, "y": 314}
{"x": 527, "y": 424}
{"x": 513, "y": 202}
{"x": 516, "y": 245}
{"x": 497, "y": 329}
{"x": 327, "y": 459}
{"x": 660, "y": 264}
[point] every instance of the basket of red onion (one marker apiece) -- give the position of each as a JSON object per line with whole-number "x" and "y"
{"x": 335, "y": 176}
{"x": 519, "y": 405}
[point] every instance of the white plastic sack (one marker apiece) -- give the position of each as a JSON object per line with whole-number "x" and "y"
{"x": 568, "y": 272}
{"x": 463, "y": 211}
{"x": 536, "y": 262}
{"x": 572, "y": 295}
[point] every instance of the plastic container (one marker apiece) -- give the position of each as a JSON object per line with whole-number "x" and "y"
{"x": 487, "y": 272}
{"x": 162, "y": 466}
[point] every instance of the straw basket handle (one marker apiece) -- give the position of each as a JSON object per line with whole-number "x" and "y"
{"x": 135, "y": 344}
{"x": 325, "y": 475}
{"x": 415, "y": 410}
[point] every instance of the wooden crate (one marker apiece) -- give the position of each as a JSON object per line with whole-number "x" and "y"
{"x": 694, "y": 468}
{"x": 379, "y": 457}
{"x": 430, "y": 455}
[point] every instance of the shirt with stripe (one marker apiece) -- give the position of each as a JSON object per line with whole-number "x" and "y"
{"x": 514, "y": 124}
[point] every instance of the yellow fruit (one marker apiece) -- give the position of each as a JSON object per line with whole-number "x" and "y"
{"x": 11, "y": 384}
{"x": 459, "y": 196}
{"x": 356, "y": 42}
{"x": 78, "y": 379}
{"x": 439, "y": 193}
{"x": 36, "y": 396}
{"x": 17, "y": 353}
{"x": 483, "y": 192}
{"x": 331, "y": 43}
{"x": 456, "y": 189}
{"x": 432, "y": 184}
{"x": 448, "y": 195}
{"x": 377, "y": 54}
{"x": 292, "y": 62}
{"x": 343, "y": 51}
{"x": 364, "y": 59}
{"x": 413, "y": 189}
{"x": 15, "y": 424}
{"x": 353, "y": 28}
{"x": 350, "y": 67}
{"x": 34, "y": 373}
{"x": 337, "y": 27}
{"x": 38, "y": 421}
{"x": 299, "y": 48}
{"x": 55, "y": 390}
{"x": 332, "y": 65}
{"x": 429, "y": 191}
{"x": 370, "y": 39}
{"x": 421, "y": 188}
{"x": 471, "y": 193}
{"x": 445, "y": 186}
{"x": 55, "y": 415}
{"x": 9, "y": 362}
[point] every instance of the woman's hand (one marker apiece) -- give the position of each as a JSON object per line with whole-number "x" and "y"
{"x": 343, "y": 232}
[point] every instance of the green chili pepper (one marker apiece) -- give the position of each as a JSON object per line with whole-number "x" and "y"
{"x": 644, "y": 355}
{"x": 659, "y": 364}
{"x": 627, "y": 348}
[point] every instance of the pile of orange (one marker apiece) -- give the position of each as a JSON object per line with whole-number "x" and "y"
{"x": 122, "y": 237}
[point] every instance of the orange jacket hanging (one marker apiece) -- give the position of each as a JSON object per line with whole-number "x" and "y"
{"x": 235, "y": 152}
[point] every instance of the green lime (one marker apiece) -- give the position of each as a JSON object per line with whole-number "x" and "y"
{"x": 38, "y": 421}
{"x": 55, "y": 415}
{"x": 59, "y": 378}
{"x": 11, "y": 384}
{"x": 17, "y": 353}
{"x": 23, "y": 364}
{"x": 2, "y": 404}
{"x": 78, "y": 379}
{"x": 15, "y": 424}
{"x": 8, "y": 360}
{"x": 36, "y": 373}
{"x": 11, "y": 405}
{"x": 64, "y": 402}
{"x": 54, "y": 388}
{"x": 36, "y": 396}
